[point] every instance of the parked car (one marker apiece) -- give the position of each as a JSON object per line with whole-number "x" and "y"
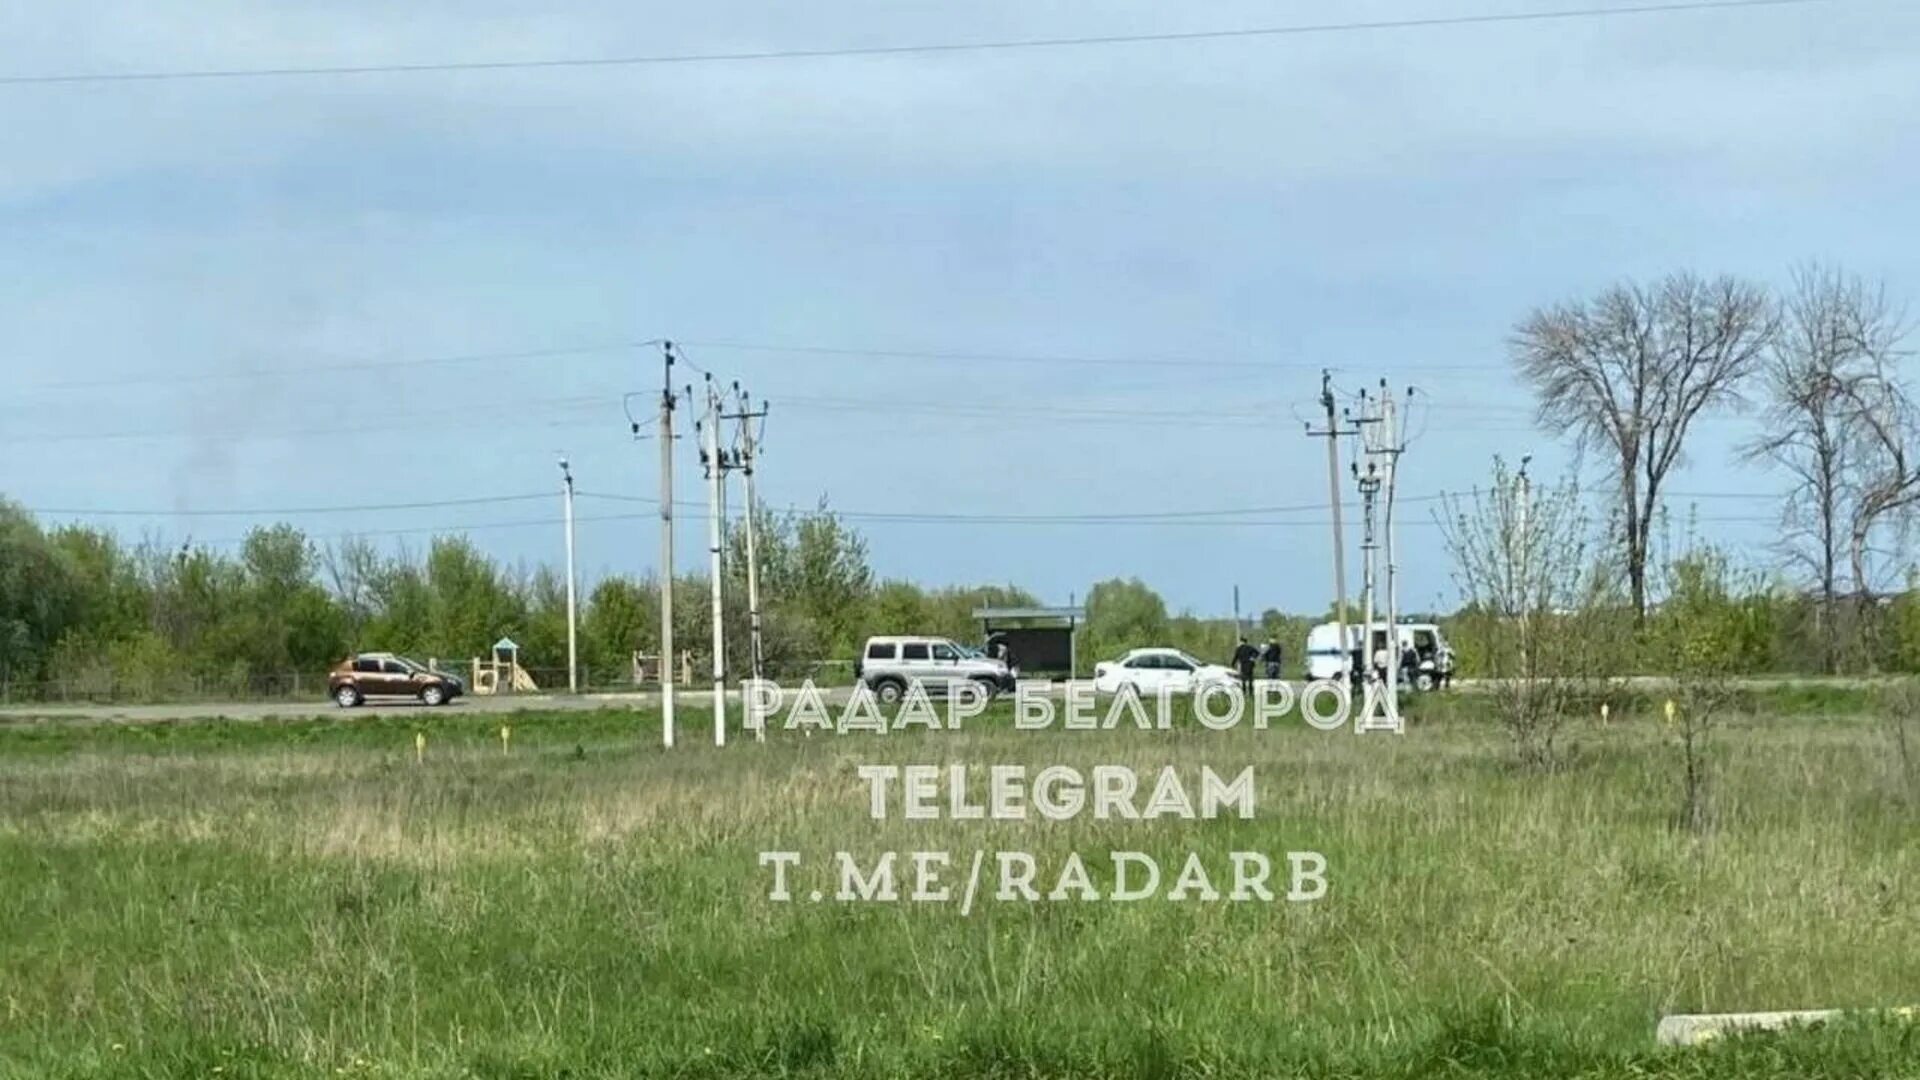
{"x": 386, "y": 675}
{"x": 888, "y": 665}
{"x": 1149, "y": 670}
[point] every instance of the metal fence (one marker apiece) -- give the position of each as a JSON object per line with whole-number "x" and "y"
{"x": 106, "y": 688}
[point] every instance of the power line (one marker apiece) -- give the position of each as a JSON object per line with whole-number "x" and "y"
{"x": 990, "y": 518}
{"x": 416, "y": 421}
{"x": 1065, "y": 413}
{"x": 1081, "y": 41}
{"x": 1249, "y": 367}
{"x": 333, "y": 366}
{"x": 871, "y": 515}
{"x": 1050, "y": 360}
{"x": 294, "y": 511}
{"x": 550, "y": 522}
{"x": 546, "y": 412}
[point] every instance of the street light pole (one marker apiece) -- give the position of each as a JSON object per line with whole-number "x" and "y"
{"x": 573, "y": 647}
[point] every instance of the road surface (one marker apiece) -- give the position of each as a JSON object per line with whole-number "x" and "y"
{"x": 323, "y": 708}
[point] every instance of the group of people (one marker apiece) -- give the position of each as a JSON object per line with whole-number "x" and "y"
{"x": 1246, "y": 656}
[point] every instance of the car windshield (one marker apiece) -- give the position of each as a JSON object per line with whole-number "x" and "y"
{"x": 1189, "y": 659}
{"x": 411, "y": 665}
{"x": 968, "y": 650}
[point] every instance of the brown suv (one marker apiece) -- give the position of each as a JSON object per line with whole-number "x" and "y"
{"x": 379, "y": 674}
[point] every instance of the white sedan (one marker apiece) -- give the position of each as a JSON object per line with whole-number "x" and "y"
{"x": 1148, "y": 671}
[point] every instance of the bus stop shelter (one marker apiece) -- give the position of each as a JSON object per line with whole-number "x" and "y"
{"x": 1042, "y": 638}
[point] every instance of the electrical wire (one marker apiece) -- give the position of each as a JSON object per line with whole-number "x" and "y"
{"x": 735, "y": 517}
{"x": 296, "y": 511}
{"x": 1085, "y": 518}
{"x": 1079, "y": 41}
{"x": 333, "y": 366}
{"x": 1050, "y": 360}
{"x": 1089, "y": 518}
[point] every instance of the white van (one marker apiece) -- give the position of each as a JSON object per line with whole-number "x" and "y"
{"x": 1433, "y": 657}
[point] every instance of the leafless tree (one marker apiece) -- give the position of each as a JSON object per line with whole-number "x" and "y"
{"x": 353, "y": 566}
{"x": 1630, "y": 370}
{"x": 1522, "y": 563}
{"x": 1835, "y": 421}
{"x": 1882, "y": 430}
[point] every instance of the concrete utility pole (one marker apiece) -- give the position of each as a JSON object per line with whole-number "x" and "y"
{"x": 573, "y": 648}
{"x": 1391, "y": 448}
{"x": 1381, "y": 709}
{"x": 716, "y": 510}
{"x": 666, "y": 547}
{"x": 1332, "y": 434}
{"x": 1368, "y": 480}
{"x": 747, "y": 455}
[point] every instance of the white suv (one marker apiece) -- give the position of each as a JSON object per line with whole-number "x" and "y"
{"x": 887, "y": 665}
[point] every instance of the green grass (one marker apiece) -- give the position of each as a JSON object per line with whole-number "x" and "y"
{"x": 299, "y": 898}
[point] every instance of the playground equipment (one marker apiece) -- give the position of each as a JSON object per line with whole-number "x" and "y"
{"x": 646, "y": 668}
{"x": 502, "y": 674}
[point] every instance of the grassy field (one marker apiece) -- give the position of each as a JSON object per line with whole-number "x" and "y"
{"x": 296, "y": 898}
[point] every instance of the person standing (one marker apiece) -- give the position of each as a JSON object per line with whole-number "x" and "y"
{"x": 1243, "y": 658}
{"x": 1270, "y": 656}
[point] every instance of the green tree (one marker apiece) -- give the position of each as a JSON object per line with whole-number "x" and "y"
{"x": 474, "y": 603}
{"x": 287, "y": 622}
{"x": 39, "y": 595}
{"x": 622, "y": 617}
{"x": 1123, "y": 614}
{"x": 814, "y": 572}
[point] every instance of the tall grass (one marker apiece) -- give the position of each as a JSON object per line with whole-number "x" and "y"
{"x": 301, "y": 898}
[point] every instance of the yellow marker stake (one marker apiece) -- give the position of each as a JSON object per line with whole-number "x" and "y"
{"x": 506, "y": 735}
{"x": 1670, "y": 712}
{"x": 419, "y": 747}
{"x": 1603, "y": 712}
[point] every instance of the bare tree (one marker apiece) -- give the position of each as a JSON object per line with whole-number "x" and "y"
{"x": 353, "y": 567}
{"x": 1833, "y": 421}
{"x": 1630, "y": 370}
{"x": 1539, "y": 605}
{"x": 1882, "y": 430}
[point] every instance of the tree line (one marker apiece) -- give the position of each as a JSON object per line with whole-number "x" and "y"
{"x": 1631, "y": 371}
{"x": 1628, "y": 373}
{"x": 86, "y": 612}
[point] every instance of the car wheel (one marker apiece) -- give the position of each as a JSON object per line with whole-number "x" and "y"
{"x": 1424, "y": 681}
{"x": 434, "y": 695}
{"x": 987, "y": 687}
{"x": 347, "y": 696}
{"x": 889, "y": 691}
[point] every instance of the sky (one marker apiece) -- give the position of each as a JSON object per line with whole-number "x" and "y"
{"x": 1055, "y": 282}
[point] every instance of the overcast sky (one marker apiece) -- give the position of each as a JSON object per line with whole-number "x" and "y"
{"x": 1214, "y": 220}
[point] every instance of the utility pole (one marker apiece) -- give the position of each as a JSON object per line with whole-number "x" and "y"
{"x": 747, "y": 455}
{"x": 1381, "y": 709}
{"x": 1391, "y": 447}
{"x": 1368, "y": 481}
{"x": 716, "y": 510}
{"x": 573, "y": 648}
{"x": 1332, "y": 434}
{"x": 666, "y": 547}
{"x": 1238, "y": 629}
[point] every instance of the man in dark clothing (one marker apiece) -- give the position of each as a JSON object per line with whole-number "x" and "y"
{"x": 1243, "y": 658}
{"x": 1270, "y": 656}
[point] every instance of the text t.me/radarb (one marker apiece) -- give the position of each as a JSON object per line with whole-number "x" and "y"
{"x": 1054, "y": 793}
